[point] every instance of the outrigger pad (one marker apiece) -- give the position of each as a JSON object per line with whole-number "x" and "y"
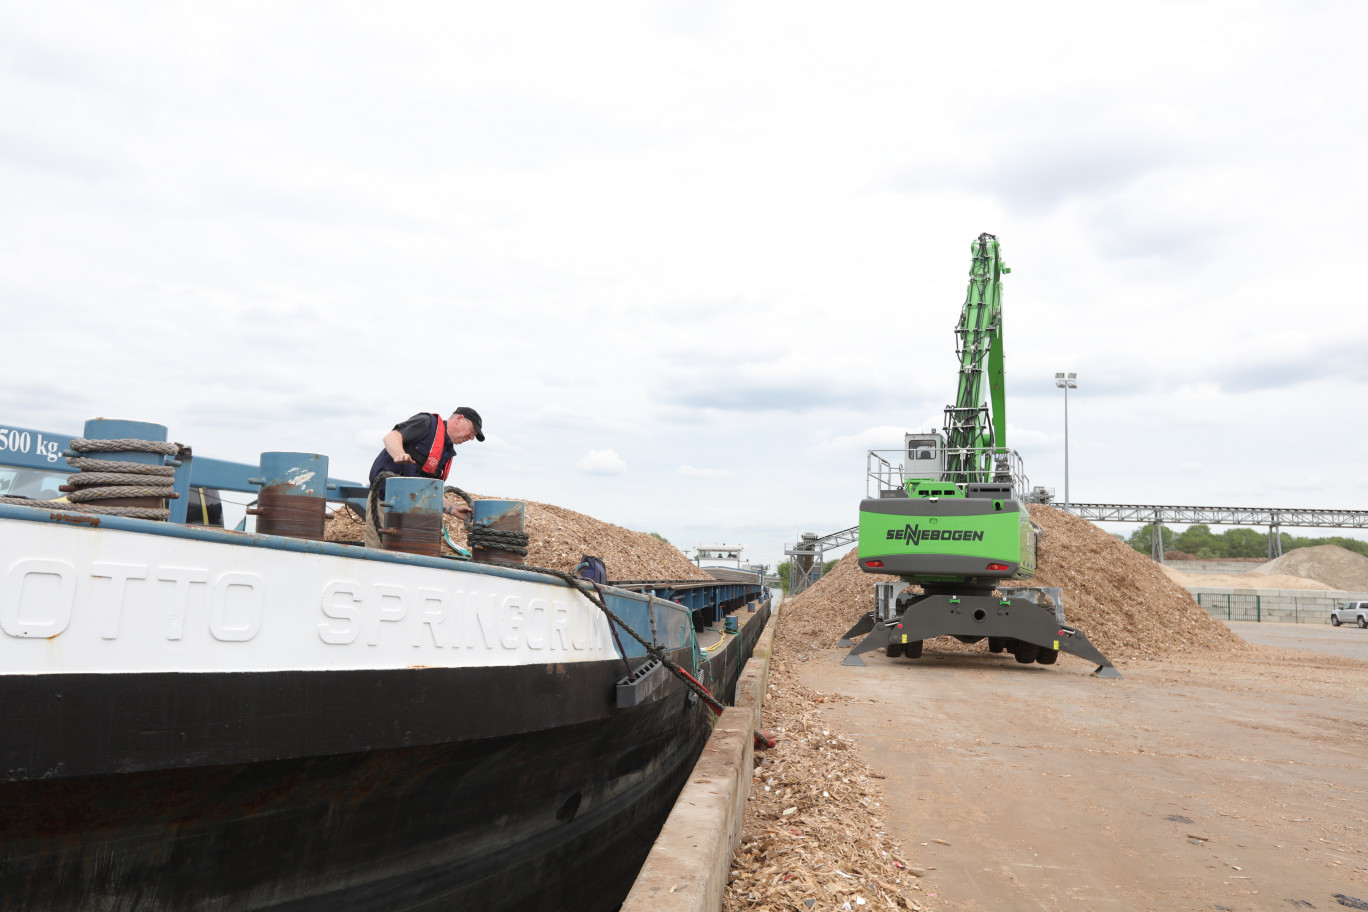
{"x": 878, "y": 637}
{"x": 978, "y": 617}
{"x": 862, "y": 626}
{"x": 1077, "y": 642}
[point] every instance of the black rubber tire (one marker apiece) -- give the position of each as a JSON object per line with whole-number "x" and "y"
{"x": 995, "y": 645}
{"x": 894, "y": 650}
{"x": 1024, "y": 652}
{"x": 1362, "y": 622}
{"x": 1334, "y": 621}
{"x": 1047, "y": 656}
{"x": 913, "y": 650}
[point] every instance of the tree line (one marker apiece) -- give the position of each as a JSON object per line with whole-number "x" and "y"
{"x": 1202, "y": 543}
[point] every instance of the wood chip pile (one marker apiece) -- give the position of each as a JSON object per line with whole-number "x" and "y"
{"x": 1120, "y": 598}
{"x": 814, "y": 836}
{"x": 558, "y": 538}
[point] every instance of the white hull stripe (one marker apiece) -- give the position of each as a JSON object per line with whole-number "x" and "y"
{"x": 77, "y": 599}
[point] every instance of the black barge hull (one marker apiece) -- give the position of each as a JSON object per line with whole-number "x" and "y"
{"x": 487, "y": 788}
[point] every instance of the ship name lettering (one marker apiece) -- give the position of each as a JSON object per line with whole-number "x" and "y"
{"x": 452, "y": 619}
{"x": 37, "y": 597}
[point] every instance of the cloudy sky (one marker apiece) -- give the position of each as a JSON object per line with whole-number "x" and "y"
{"x": 690, "y": 260}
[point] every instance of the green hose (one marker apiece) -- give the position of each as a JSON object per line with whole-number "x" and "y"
{"x": 461, "y": 553}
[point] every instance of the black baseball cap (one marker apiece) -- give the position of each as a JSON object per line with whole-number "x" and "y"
{"x": 474, "y": 417}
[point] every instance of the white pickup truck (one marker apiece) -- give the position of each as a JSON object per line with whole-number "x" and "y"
{"x": 1355, "y": 612}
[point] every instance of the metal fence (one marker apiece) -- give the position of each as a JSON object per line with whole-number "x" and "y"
{"x": 1229, "y": 604}
{"x": 1283, "y": 607}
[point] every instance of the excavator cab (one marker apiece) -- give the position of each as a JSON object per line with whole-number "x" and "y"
{"x": 924, "y": 455}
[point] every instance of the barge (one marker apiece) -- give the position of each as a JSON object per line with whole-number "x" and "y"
{"x": 199, "y": 718}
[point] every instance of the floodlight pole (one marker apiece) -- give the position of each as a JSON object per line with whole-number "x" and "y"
{"x": 1066, "y": 383}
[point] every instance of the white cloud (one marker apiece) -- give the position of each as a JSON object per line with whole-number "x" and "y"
{"x": 602, "y": 462}
{"x": 689, "y": 471}
{"x": 561, "y": 418}
{"x": 884, "y": 437}
{"x": 1019, "y": 438}
{"x": 765, "y": 283}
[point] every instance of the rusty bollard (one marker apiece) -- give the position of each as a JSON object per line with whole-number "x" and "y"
{"x": 413, "y": 516}
{"x": 498, "y": 531}
{"x": 293, "y": 499}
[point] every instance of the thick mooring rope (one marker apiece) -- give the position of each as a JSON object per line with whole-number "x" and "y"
{"x": 497, "y": 539}
{"x": 377, "y": 494}
{"x": 99, "y": 479}
{"x": 486, "y": 538}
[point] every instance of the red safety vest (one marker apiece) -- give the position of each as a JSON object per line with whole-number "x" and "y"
{"x": 439, "y": 440}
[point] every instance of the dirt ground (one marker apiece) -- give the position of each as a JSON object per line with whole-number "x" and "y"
{"x": 1228, "y": 782}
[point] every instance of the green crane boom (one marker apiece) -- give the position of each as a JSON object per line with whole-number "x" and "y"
{"x": 976, "y": 425}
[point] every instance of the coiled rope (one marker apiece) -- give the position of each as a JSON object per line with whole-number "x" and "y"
{"x": 497, "y": 539}
{"x": 487, "y": 538}
{"x": 100, "y": 479}
{"x": 377, "y": 494}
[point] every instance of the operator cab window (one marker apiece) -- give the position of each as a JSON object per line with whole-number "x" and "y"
{"x": 921, "y": 449}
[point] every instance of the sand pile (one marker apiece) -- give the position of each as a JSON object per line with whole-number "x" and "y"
{"x": 1249, "y": 580}
{"x": 1338, "y": 568}
{"x": 559, "y": 537}
{"x": 1120, "y": 598}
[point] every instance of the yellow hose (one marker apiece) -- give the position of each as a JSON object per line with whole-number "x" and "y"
{"x": 715, "y": 645}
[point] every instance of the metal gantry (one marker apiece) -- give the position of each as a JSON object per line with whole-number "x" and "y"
{"x": 807, "y": 555}
{"x": 1272, "y": 517}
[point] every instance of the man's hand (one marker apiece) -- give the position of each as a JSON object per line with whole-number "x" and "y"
{"x": 460, "y": 511}
{"x": 394, "y": 445}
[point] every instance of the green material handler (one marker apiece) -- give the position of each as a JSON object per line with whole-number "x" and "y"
{"x": 948, "y": 514}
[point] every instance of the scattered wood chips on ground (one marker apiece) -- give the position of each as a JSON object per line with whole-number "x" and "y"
{"x": 558, "y": 538}
{"x": 814, "y": 837}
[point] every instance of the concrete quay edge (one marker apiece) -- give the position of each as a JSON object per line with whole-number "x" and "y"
{"x": 689, "y": 864}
